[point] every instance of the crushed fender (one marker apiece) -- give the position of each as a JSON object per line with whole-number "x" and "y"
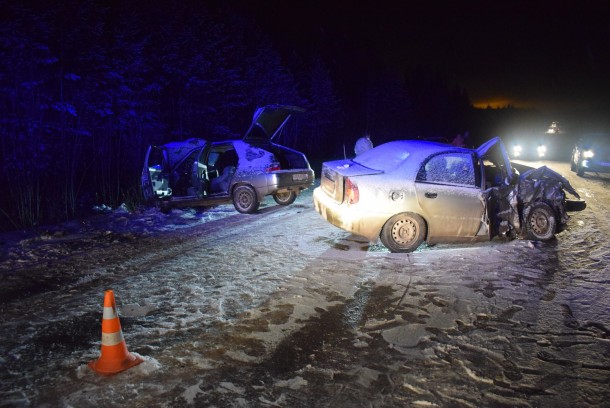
{"x": 506, "y": 202}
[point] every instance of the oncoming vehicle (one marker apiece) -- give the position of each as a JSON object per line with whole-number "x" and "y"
{"x": 409, "y": 191}
{"x": 552, "y": 144}
{"x": 197, "y": 172}
{"x": 534, "y": 150}
{"x": 591, "y": 154}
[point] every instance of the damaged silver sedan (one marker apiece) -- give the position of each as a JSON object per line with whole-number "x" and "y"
{"x": 408, "y": 192}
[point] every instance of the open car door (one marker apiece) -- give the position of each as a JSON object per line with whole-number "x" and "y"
{"x": 155, "y": 177}
{"x": 494, "y": 151}
{"x": 501, "y": 189}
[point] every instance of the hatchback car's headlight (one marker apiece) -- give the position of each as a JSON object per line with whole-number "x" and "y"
{"x": 587, "y": 154}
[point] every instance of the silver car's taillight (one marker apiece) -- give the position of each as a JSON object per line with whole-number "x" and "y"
{"x": 352, "y": 195}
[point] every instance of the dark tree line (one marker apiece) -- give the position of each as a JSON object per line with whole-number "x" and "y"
{"x": 86, "y": 85}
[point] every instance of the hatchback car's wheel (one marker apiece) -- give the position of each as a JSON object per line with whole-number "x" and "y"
{"x": 580, "y": 171}
{"x": 540, "y": 222}
{"x": 404, "y": 232}
{"x": 245, "y": 199}
{"x": 285, "y": 198}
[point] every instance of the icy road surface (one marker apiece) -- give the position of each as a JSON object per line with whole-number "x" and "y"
{"x": 281, "y": 309}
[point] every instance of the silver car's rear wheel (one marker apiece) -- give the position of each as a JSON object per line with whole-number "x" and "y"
{"x": 404, "y": 232}
{"x": 286, "y": 198}
{"x": 245, "y": 199}
{"x": 540, "y": 222}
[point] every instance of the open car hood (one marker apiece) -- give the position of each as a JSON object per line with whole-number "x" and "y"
{"x": 268, "y": 121}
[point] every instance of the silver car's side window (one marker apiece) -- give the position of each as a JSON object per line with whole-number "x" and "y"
{"x": 448, "y": 168}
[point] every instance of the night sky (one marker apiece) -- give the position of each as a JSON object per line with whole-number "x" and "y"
{"x": 552, "y": 56}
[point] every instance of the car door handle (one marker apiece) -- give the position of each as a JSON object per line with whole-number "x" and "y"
{"x": 431, "y": 195}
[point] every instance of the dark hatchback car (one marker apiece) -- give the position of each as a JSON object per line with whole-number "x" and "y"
{"x": 197, "y": 172}
{"x": 591, "y": 154}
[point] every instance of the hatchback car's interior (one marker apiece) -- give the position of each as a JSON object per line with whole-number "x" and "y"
{"x": 222, "y": 164}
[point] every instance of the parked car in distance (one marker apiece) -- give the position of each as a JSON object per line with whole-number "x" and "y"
{"x": 591, "y": 154}
{"x": 197, "y": 172}
{"x": 409, "y": 191}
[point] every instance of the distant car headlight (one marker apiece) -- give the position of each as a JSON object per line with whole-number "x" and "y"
{"x": 587, "y": 154}
{"x": 541, "y": 150}
{"x": 517, "y": 149}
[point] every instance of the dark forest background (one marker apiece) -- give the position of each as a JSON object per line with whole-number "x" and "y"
{"x": 86, "y": 85}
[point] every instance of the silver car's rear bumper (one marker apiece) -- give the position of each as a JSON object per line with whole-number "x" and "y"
{"x": 349, "y": 218}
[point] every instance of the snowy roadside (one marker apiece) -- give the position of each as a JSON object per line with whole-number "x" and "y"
{"x": 22, "y": 249}
{"x": 26, "y": 256}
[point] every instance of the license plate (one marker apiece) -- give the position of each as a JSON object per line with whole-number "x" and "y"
{"x": 299, "y": 177}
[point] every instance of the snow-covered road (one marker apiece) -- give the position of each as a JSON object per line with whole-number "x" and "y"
{"x": 282, "y": 309}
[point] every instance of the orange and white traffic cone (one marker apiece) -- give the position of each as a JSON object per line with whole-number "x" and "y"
{"x": 115, "y": 357}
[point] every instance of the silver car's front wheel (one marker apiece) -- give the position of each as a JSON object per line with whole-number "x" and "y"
{"x": 540, "y": 223}
{"x": 245, "y": 199}
{"x": 404, "y": 232}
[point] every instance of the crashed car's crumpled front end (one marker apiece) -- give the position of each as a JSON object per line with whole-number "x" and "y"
{"x": 547, "y": 185}
{"x": 506, "y": 203}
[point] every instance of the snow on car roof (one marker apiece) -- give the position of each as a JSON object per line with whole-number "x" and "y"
{"x": 390, "y": 155}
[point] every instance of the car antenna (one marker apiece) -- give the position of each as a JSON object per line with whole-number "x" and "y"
{"x": 344, "y": 154}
